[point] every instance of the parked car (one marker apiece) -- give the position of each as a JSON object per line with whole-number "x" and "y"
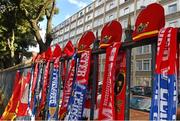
{"x": 139, "y": 107}
{"x": 140, "y": 103}
{"x": 141, "y": 90}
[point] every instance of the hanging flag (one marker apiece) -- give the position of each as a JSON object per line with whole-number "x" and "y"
{"x": 164, "y": 100}
{"x": 23, "y": 100}
{"x": 53, "y": 98}
{"x": 9, "y": 113}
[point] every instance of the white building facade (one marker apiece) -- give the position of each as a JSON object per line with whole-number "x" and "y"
{"x": 95, "y": 15}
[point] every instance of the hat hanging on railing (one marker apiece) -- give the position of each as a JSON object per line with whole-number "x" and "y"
{"x": 86, "y": 40}
{"x": 149, "y": 21}
{"x": 48, "y": 54}
{"x": 57, "y": 51}
{"x": 111, "y": 32}
{"x": 69, "y": 49}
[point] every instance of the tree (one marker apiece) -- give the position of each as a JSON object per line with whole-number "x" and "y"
{"x": 34, "y": 10}
{"x": 14, "y": 31}
{"x": 19, "y": 27}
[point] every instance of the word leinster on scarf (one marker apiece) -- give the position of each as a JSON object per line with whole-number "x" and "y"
{"x": 106, "y": 108}
{"x": 164, "y": 101}
{"x": 76, "y": 104}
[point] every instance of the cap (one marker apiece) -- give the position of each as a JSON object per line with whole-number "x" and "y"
{"x": 149, "y": 21}
{"x": 111, "y": 32}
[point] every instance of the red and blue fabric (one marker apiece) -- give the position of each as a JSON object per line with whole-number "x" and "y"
{"x": 164, "y": 100}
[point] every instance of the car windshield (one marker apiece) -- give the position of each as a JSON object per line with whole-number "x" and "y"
{"x": 140, "y": 103}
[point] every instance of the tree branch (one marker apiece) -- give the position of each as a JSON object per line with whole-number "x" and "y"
{"x": 49, "y": 25}
{"x": 47, "y": 14}
{"x": 52, "y": 10}
{"x": 42, "y": 9}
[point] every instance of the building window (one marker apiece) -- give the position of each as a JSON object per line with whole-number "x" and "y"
{"x": 88, "y": 17}
{"x": 125, "y": 23}
{"x": 81, "y": 13}
{"x": 146, "y": 65}
{"x": 139, "y": 65}
{"x": 146, "y": 49}
{"x": 87, "y": 27}
{"x": 126, "y": 10}
{"x": 80, "y": 21}
{"x": 173, "y": 24}
{"x": 111, "y": 5}
{"x": 139, "y": 50}
{"x": 111, "y": 17}
{"x": 172, "y": 8}
{"x": 89, "y": 8}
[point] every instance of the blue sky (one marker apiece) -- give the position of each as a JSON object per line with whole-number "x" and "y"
{"x": 66, "y": 9}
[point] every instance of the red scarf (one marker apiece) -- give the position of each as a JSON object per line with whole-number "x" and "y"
{"x": 120, "y": 86}
{"x": 106, "y": 108}
{"x": 67, "y": 90}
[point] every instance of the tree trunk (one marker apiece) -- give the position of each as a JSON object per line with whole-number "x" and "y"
{"x": 11, "y": 49}
{"x": 42, "y": 46}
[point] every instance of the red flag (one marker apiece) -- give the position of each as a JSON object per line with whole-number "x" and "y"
{"x": 23, "y": 100}
{"x": 10, "y": 109}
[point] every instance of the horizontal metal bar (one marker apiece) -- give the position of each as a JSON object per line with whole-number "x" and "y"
{"x": 130, "y": 44}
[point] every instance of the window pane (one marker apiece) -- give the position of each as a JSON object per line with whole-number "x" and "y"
{"x": 172, "y": 8}
{"x": 139, "y": 65}
{"x": 146, "y": 49}
{"x": 139, "y": 50}
{"x": 146, "y": 64}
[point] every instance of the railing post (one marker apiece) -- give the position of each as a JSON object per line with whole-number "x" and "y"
{"x": 128, "y": 33}
{"x": 153, "y": 61}
{"x": 95, "y": 74}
